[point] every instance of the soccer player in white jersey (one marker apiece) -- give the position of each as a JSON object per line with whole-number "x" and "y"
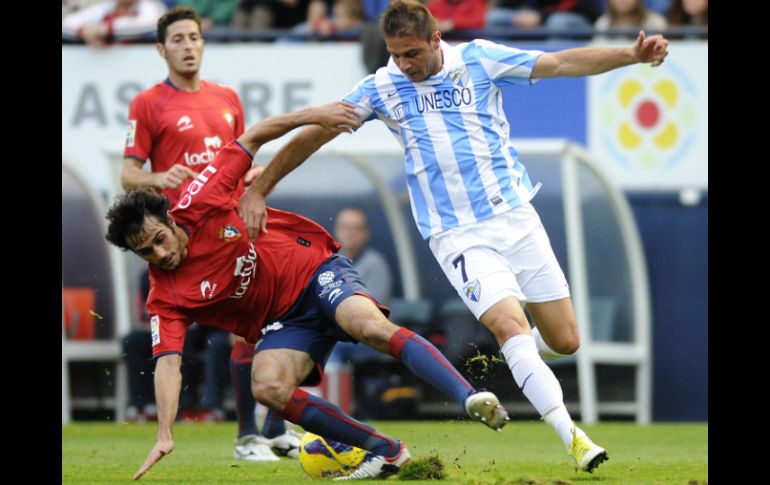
{"x": 469, "y": 192}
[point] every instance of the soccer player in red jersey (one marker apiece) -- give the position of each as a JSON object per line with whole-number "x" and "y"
{"x": 289, "y": 292}
{"x": 180, "y": 125}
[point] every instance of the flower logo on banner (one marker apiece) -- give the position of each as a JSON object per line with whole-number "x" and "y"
{"x": 647, "y": 116}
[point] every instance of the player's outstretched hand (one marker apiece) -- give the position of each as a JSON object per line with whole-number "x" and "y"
{"x": 652, "y": 49}
{"x": 253, "y": 211}
{"x": 338, "y": 116}
{"x": 162, "y": 448}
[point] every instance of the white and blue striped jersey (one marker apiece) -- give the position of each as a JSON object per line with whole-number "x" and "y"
{"x": 460, "y": 164}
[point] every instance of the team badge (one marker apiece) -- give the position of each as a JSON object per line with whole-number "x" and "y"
{"x": 472, "y": 290}
{"x": 460, "y": 76}
{"x": 229, "y": 233}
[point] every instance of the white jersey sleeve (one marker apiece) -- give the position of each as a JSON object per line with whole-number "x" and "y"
{"x": 506, "y": 65}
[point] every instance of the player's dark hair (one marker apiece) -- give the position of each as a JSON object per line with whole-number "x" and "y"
{"x": 405, "y": 18}
{"x": 127, "y": 214}
{"x": 176, "y": 14}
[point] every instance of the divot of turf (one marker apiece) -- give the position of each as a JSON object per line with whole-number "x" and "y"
{"x": 426, "y": 468}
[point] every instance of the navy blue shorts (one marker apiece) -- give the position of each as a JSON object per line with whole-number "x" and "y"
{"x": 309, "y": 326}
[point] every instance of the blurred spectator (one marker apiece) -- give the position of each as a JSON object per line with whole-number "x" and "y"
{"x": 137, "y": 350}
{"x": 258, "y": 15}
{"x": 660, "y": 6}
{"x": 347, "y": 20}
{"x": 689, "y": 12}
{"x": 111, "y": 21}
{"x": 374, "y": 8}
{"x": 458, "y": 14}
{"x": 351, "y": 229}
{"x": 213, "y": 13}
{"x": 628, "y": 14}
{"x": 69, "y": 6}
{"x": 551, "y": 14}
{"x": 374, "y": 52}
{"x": 205, "y": 359}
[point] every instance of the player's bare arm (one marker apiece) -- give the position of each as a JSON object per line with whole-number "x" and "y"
{"x": 586, "y": 61}
{"x": 133, "y": 176}
{"x": 252, "y": 207}
{"x": 336, "y": 117}
{"x": 168, "y": 383}
{"x": 328, "y": 121}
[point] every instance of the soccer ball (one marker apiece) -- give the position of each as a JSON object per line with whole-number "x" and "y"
{"x": 325, "y": 458}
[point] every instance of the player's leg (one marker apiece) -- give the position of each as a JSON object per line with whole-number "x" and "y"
{"x": 546, "y": 288}
{"x": 192, "y": 372}
{"x": 343, "y": 299}
{"x": 279, "y": 371}
{"x": 484, "y": 264}
{"x": 137, "y": 352}
{"x": 282, "y": 441}
{"x": 548, "y": 300}
{"x": 250, "y": 444}
{"x": 215, "y": 357}
{"x": 241, "y": 356}
{"x": 556, "y": 334}
{"x": 360, "y": 318}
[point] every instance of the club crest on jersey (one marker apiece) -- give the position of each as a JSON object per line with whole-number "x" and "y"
{"x": 472, "y": 290}
{"x": 229, "y": 233}
{"x": 460, "y": 76}
{"x": 229, "y": 118}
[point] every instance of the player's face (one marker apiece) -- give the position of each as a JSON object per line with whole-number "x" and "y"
{"x": 183, "y": 49}
{"x": 159, "y": 244}
{"x": 417, "y": 58}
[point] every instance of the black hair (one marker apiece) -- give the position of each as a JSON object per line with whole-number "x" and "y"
{"x": 127, "y": 215}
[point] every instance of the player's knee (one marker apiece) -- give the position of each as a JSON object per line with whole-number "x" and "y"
{"x": 270, "y": 392}
{"x": 567, "y": 343}
{"x": 504, "y": 326}
{"x": 376, "y": 332}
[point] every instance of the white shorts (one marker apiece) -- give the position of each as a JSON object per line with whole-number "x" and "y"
{"x": 507, "y": 255}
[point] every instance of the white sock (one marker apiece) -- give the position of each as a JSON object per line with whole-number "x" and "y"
{"x": 561, "y": 422}
{"x": 538, "y": 383}
{"x": 546, "y": 352}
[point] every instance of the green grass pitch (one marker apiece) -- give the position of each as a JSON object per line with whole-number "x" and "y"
{"x": 523, "y": 453}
